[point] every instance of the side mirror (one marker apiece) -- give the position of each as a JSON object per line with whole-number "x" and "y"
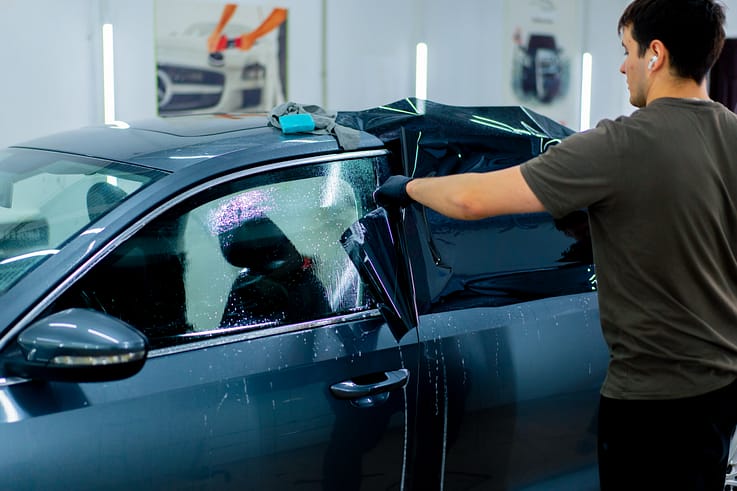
{"x": 77, "y": 345}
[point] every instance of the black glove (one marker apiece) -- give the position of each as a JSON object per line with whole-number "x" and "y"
{"x": 393, "y": 193}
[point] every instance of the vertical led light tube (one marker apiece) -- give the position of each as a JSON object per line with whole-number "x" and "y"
{"x": 108, "y": 74}
{"x": 586, "y": 70}
{"x": 421, "y": 71}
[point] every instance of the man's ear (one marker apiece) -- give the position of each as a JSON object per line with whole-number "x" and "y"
{"x": 658, "y": 54}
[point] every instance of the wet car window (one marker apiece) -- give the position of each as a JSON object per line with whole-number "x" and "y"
{"x": 254, "y": 253}
{"x": 47, "y": 198}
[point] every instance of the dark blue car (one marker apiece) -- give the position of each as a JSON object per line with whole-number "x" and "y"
{"x": 209, "y": 303}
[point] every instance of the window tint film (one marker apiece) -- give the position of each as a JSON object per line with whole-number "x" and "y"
{"x": 250, "y": 254}
{"x": 503, "y": 260}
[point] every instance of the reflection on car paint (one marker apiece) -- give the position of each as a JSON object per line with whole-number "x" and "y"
{"x": 512, "y": 367}
{"x": 523, "y": 128}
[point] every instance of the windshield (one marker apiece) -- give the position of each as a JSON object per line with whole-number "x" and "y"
{"x": 46, "y": 198}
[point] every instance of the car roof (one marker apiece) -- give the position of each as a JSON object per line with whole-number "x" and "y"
{"x": 248, "y": 140}
{"x": 171, "y": 143}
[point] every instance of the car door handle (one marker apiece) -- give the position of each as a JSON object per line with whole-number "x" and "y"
{"x": 369, "y": 385}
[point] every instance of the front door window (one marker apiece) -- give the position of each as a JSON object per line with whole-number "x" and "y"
{"x": 254, "y": 253}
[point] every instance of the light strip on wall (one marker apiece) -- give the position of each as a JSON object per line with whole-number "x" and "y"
{"x": 421, "y": 71}
{"x": 108, "y": 74}
{"x": 587, "y": 64}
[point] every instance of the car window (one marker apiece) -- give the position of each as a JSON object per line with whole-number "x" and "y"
{"x": 47, "y": 198}
{"x": 253, "y": 253}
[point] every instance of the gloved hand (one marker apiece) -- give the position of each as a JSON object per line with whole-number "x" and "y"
{"x": 393, "y": 193}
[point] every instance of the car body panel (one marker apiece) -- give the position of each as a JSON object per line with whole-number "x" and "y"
{"x": 253, "y": 414}
{"x": 512, "y": 385}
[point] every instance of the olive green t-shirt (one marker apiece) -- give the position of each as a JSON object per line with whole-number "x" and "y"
{"x": 661, "y": 190}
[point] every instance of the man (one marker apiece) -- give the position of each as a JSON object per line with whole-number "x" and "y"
{"x": 661, "y": 191}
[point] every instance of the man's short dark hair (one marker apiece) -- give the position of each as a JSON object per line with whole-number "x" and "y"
{"x": 691, "y": 30}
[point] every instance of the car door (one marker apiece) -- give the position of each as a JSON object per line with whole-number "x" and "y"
{"x": 510, "y": 335}
{"x": 269, "y": 366}
{"x": 511, "y": 352}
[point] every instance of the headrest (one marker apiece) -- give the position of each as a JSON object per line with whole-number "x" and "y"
{"x": 260, "y": 245}
{"x": 101, "y": 197}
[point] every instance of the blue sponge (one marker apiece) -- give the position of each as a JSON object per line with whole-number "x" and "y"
{"x": 296, "y": 123}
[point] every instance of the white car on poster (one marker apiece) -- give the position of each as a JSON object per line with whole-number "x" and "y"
{"x": 192, "y": 80}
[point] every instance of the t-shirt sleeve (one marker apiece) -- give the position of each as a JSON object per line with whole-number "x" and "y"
{"x": 581, "y": 171}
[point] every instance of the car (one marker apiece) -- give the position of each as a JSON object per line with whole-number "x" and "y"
{"x": 211, "y": 302}
{"x": 188, "y": 82}
{"x": 541, "y": 72}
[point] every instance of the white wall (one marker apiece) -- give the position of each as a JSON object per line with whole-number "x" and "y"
{"x": 466, "y": 42}
{"x": 370, "y": 52}
{"x": 609, "y": 94}
{"x": 49, "y": 76}
{"x": 134, "y": 55}
{"x": 51, "y": 55}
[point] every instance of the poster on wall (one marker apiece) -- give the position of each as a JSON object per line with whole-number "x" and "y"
{"x": 542, "y": 49}
{"x": 219, "y": 57}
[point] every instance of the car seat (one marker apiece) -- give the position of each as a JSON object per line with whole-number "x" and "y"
{"x": 276, "y": 283}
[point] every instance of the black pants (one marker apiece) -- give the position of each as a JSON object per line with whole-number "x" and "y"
{"x": 678, "y": 444}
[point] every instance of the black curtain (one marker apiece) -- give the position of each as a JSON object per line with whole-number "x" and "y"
{"x": 723, "y": 78}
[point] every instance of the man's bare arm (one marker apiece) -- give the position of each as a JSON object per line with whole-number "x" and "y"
{"x": 474, "y": 196}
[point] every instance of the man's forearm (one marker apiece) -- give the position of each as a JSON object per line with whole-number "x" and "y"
{"x": 449, "y": 195}
{"x": 473, "y": 196}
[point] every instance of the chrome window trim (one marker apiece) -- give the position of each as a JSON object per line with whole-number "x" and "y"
{"x": 8, "y": 381}
{"x": 249, "y": 334}
{"x": 145, "y": 220}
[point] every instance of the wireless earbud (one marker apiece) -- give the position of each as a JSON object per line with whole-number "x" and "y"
{"x": 652, "y": 62}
